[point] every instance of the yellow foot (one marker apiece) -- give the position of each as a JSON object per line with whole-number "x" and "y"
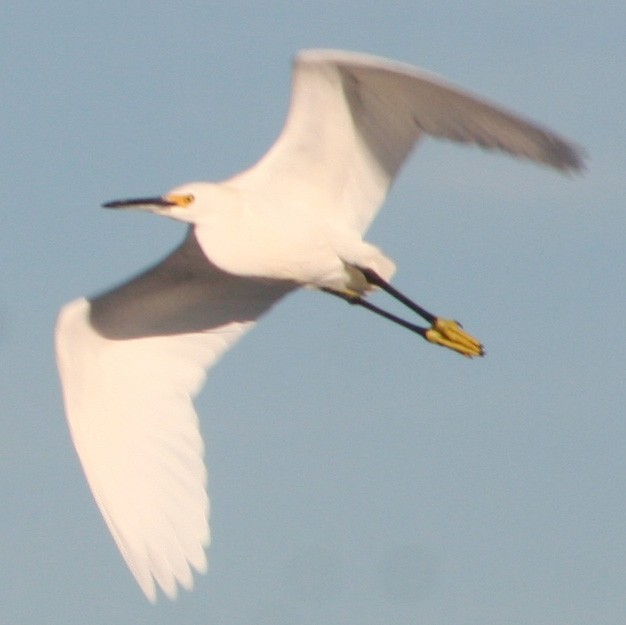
{"x": 450, "y": 334}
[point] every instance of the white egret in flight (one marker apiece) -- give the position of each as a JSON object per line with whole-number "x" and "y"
{"x": 132, "y": 359}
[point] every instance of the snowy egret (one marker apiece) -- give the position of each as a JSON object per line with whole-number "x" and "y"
{"x": 132, "y": 359}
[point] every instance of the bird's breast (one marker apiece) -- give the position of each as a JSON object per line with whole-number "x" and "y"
{"x": 272, "y": 244}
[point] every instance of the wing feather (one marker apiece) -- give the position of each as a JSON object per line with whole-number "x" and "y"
{"x": 130, "y": 362}
{"x": 354, "y": 118}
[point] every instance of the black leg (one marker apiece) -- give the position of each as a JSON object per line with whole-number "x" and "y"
{"x": 373, "y": 278}
{"x": 359, "y": 301}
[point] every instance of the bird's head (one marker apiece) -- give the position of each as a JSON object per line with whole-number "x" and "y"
{"x": 184, "y": 203}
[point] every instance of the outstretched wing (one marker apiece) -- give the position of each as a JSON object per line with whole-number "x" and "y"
{"x": 354, "y": 118}
{"x": 130, "y": 362}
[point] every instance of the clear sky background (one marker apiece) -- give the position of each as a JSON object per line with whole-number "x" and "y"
{"x": 357, "y": 474}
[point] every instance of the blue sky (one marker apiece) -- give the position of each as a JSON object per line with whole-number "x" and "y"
{"x": 357, "y": 475}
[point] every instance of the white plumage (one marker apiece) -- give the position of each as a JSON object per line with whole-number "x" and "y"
{"x": 132, "y": 359}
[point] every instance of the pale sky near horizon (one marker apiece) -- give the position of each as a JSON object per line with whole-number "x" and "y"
{"x": 357, "y": 475}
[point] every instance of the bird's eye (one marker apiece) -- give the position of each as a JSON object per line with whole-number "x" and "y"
{"x": 189, "y": 198}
